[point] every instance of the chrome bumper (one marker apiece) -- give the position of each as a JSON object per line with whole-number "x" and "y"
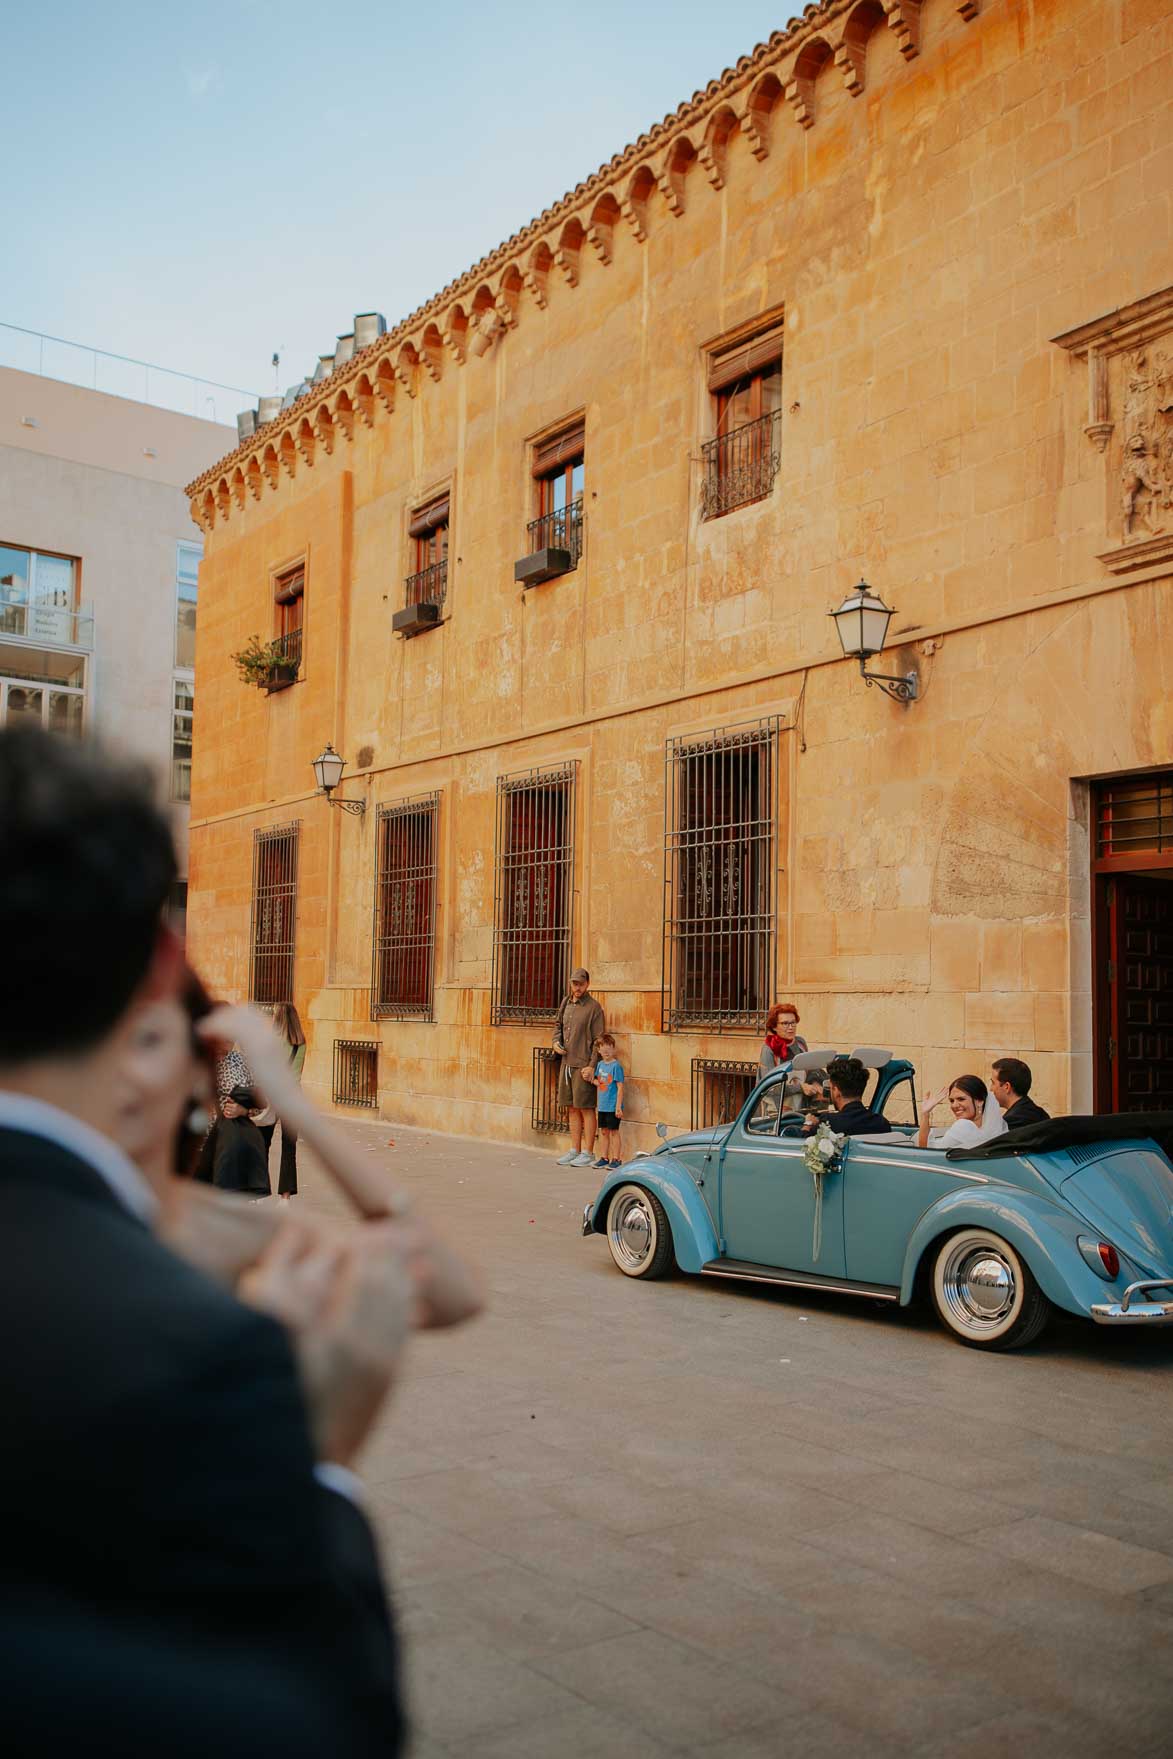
{"x": 588, "y": 1218}
{"x": 1128, "y": 1311}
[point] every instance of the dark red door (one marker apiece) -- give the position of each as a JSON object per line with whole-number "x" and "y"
{"x": 1139, "y": 1052}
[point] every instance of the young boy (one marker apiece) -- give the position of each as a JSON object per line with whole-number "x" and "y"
{"x": 608, "y": 1078}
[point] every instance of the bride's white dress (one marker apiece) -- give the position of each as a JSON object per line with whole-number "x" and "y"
{"x": 967, "y": 1132}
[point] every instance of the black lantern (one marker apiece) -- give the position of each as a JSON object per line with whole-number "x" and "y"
{"x": 328, "y": 768}
{"x": 862, "y": 624}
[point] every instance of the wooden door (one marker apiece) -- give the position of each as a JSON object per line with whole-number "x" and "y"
{"x": 1136, "y": 1061}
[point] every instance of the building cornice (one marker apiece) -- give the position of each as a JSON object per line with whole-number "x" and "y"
{"x": 472, "y": 313}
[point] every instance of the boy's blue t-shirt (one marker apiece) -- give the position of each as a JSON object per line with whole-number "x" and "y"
{"x": 609, "y": 1095}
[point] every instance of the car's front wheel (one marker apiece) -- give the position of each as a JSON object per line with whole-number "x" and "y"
{"x": 638, "y": 1232}
{"x": 985, "y": 1294}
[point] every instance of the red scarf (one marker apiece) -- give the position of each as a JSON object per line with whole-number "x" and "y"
{"x": 779, "y": 1046}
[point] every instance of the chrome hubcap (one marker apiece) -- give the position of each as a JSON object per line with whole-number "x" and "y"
{"x": 631, "y": 1230}
{"x": 978, "y": 1286}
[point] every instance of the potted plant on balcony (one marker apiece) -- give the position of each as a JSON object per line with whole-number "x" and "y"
{"x": 265, "y": 663}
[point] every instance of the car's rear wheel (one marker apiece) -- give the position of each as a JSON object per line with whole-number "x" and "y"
{"x": 638, "y": 1233}
{"x": 985, "y": 1294}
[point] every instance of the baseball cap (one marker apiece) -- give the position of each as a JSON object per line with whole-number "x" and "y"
{"x": 580, "y": 974}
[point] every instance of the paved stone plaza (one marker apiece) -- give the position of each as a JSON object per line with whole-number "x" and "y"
{"x": 694, "y": 1518}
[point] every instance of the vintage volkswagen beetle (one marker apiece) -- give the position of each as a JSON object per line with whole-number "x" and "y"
{"x": 1076, "y": 1213}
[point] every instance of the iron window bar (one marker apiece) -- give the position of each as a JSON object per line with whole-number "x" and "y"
{"x": 740, "y": 467}
{"x": 1134, "y": 817}
{"x": 546, "y": 1115}
{"x": 404, "y": 933}
{"x": 429, "y": 586}
{"x": 356, "y": 1073}
{"x": 559, "y": 530}
{"x": 720, "y": 881}
{"x": 720, "y": 1087}
{"x": 533, "y": 894}
{"x": 274, "y": 913}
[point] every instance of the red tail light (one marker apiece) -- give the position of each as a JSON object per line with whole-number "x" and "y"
{"x": 1109, "y": 1258}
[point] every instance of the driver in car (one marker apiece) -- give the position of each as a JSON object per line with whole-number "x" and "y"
{"x": 848, "y": 1078}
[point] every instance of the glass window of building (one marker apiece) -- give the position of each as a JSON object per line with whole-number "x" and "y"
{"x": 187, "y": 564}
{"x": 181, "y": 739}
{"x": 37, "y": 594}
{"x": 43, "y": 686}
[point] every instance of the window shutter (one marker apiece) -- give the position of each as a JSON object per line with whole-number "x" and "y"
{"x": 429, "y": 517}
{"x": 289, "y": 586}
{"x": 570, "y": 444}
{"x": 751, "y": 356}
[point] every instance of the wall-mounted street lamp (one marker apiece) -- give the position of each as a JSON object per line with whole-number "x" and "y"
{"x": 328, "y": 768}
{"x": 862, "y": 621}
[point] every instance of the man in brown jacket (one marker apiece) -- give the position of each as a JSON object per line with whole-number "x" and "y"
{"x": 579, "y": 1024}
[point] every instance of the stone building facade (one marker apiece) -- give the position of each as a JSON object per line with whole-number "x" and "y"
{"x": 553, "y": 559}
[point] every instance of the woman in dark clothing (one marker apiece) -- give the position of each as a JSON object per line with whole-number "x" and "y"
{"x": 238, "y": 1159}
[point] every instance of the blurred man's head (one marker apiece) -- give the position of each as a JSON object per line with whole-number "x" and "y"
{"x": 86, "y": 864}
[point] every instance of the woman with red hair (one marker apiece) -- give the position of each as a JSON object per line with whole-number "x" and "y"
{"x": 782, "y": 1039}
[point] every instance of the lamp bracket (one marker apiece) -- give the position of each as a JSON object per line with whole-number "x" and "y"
{"x": 355, "y": 806}
{"x": 903, "y": 688}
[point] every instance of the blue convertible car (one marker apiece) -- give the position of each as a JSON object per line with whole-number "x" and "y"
{"x": 1075, "y": 1213}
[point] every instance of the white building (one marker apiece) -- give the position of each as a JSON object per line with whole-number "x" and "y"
{"x": 98, "y": 570}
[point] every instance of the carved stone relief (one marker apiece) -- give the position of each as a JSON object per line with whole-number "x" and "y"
{"x": 1146, "y": 473}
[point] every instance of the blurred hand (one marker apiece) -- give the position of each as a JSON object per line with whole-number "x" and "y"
{"x": 217, "y": 1231}
{"x": 356, "y": 1298}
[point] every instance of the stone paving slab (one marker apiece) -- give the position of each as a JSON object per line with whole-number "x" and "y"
{"x": 725, "y": 1522}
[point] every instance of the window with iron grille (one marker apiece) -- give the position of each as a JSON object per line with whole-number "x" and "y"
{"x": 559, "y": 468}
{"x": 546, "y": 1114}
{"x": 1134, "y": 816}
{"x": 356, "y": 1073}
{"x": 274, "y": 913}
{"x": 719, "y": 1090}
{"x": 405, "y": 910}
{"x": 533, "y": 894}
{"x": 721, "y": 808}
{"x": 742, "y": 459}
{"x": 428, "y": 532}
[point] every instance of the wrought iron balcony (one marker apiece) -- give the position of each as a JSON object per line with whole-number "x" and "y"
{"x": 429, "y": 586}
{"x": 285, "y": 655}
{"x": 555, "y": 545}
{"x": 740, "y": 467}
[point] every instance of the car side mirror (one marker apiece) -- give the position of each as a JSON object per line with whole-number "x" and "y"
{"x": 661, "y": 1131}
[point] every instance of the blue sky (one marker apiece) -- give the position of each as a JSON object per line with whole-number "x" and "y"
{"x": 199, "y": 186}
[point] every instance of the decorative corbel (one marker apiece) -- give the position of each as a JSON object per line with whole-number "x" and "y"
{"x": 406, "y": 377}
{"x": 599, "y": 239}
{"x": 324, "y": 429}
{"x": 799, "y": 94}
{"x": 344, "y": 417}
{"x": 850, "y": 59}
{"x": 385, "y": 388}
{"x": 969, "y": 9}
{"x": 304, "y": 441}
{"x": 904, "y": 23}
{"x": 670, "y": 194}
{"x": 288, "y": 455}
{"x": 271, "y": 469}
{"x": 200, "y": 515}
{"x": 364, "y": 403}
{"x": 628, "y": 210}
{"x": 534, "y": 288}
{"x": 237, "y": 488}
{"x": 707, "y": 161}
{"x": 568, "y": 266}
{"x": 504, "y": 311}
{"x": 455, "y": 343}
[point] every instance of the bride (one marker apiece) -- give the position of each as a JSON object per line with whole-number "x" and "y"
{"x": 977, "y": 1116}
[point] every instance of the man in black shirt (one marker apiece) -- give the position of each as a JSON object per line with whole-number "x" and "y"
{"x": 848, "y": 1078}
{"x": 1010, "y": 1084}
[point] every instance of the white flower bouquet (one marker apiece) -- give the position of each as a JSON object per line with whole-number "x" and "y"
{"x": 822, "y": 1151}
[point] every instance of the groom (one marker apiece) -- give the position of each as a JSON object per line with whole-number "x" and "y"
{"x": 187, "y": 1571}
{"x": 1010, "y": 1082}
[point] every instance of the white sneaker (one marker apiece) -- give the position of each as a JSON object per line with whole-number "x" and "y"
{"x": 583, "y": 1160}
{"x": 566, "y": 1160}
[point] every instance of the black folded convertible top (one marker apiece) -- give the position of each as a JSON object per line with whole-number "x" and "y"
{"x": 1066, "y": 1132}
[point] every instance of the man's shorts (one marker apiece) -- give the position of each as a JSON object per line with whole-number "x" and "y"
{"x": 608, "y": 1120}
{"x": 583, "y": 1094}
